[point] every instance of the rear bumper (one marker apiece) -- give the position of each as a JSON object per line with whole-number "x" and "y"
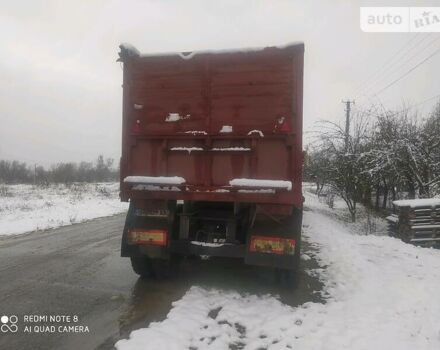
{"x": 285, "y": 261}
{"x": 293, "y": 197}
{"x": 226, "y": 250}
{"x": 182, "y": 247}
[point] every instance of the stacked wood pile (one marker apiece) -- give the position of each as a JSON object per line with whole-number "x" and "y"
{"x": 416, "y": 221}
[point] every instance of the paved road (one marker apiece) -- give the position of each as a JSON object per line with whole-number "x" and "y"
{"x": 76, "y": 270}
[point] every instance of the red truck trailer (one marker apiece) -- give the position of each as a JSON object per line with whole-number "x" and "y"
{"x": 212, "y": 156}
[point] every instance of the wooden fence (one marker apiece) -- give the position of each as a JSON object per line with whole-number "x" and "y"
{"x": 416, "y": 221}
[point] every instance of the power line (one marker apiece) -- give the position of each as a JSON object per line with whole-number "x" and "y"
{"x": 386, "y": 64}
{"x": 389, "y": 62}
{"x": 391, "y": 67}
{"x": 409, "y": 71}
{"x": 417, "y": 104}
{"x": 396, "y": 68}
{"x": 409, "y": 107}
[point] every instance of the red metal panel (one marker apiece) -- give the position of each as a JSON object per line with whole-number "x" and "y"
{"x": 245, "y": 90}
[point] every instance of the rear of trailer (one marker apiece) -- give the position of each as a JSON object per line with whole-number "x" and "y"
{"x": 212, "y": 156}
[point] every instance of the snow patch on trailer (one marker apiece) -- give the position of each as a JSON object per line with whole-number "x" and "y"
{"x": 155, "y": 188}
{"x": 131, "y": 51}
{"x": 155, "y": 180}
{"x": 226, "y": 129}
{"x": 196, "y": 132}
{"x": 227, "y": 149}
{"x": 261, "y": 183}
{"x": 258, "y": 132}
{"x": 187, "y": 55}
{"x": 175, "y": 117}
{"x": 261, "y": 190}
{"x": 187, "y": 149}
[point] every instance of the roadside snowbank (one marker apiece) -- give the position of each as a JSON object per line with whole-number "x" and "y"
{"x": 25, "y": 208}
{"x": 380, "y": 294}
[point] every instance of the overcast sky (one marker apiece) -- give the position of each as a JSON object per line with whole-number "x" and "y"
{"x": 60, "y": 92}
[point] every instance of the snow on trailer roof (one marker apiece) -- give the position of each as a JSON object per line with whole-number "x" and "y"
{"x": 414, "y": 203}
{"x": 128, "y": 50}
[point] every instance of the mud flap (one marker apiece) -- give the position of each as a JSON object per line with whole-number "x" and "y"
{"x": 126, "y": 249}
{"x": 275, "y": 243}
{"x": 134, "y": 220}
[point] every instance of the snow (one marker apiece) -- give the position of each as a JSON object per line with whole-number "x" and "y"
{"x": 426, "y": 227}
{"x": 206, "y": 244}
{"x": 131, "y": 50}
{"x": 414, "y": 240}
{"x": 305, "y": 257}
{"x": 137, "y": 106}
{"x": 261, "y": 183}
{"x": 135, "y": 52}
{"x": 175, "y": 117}
{"x": 155, "y": 180}
{"x": 187, "y": 56}
{"x": 261, "y": 190}
{"x": 25, "y": 208}
{"x": 393, "y": 218}
{"x": 226, "y": 129}
{"x": 188, "y": 149}
{"x": 427, "y": 202}
{"x": 155, "y": 188}
{"x": 226, "y": 149}
{"x": 196, "y": 132}
{"x": 380, "y": 293}
{"x": 259, "y": 132}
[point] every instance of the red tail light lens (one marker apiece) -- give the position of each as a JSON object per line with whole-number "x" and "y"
{"x": 152, "y": 237}
{"x": 274, "y": 245}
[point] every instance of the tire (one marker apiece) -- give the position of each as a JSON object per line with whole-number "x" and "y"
{"x": 154, "y": 268}
{"x": 142, "y": 266}
{"x": 290, "y": 277}
{"x": 161, "y": 268}
{"x": 297, "y": 255}
{"x": 158, "y": 268}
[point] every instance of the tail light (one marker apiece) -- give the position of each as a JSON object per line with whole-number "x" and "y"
{"x": 274, "y": 245}
{"x": 151, "y": 237}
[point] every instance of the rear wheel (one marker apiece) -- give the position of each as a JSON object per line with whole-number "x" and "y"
{"x": 287, "y": 278}
{"x": 142, "y": 266}
{"x": 154, "y": 268}
{"x": 290, "y": 277}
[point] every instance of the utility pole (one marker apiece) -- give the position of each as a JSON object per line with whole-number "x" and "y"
{"x": 347, "y": 121}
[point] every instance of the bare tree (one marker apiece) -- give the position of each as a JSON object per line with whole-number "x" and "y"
{"x": 345, "y": 155}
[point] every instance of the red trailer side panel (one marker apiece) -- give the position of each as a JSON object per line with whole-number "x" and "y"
{"x": 213, "y": 117}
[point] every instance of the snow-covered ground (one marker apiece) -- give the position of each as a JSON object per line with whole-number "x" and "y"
{"x": 25, "y": 208}
{"x": 380, "y": 294}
